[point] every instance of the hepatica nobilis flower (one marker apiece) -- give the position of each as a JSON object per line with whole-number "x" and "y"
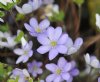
{"x": 7, "y": 40}
{"x": 22, "y": 75}
{"x": 92, "y": 61}
{"x": 25, "y": 52}
{"x": 64, "y": 70}
{"x": 53, "y": 42}
{"x": 35, "y": 4}
{"x": 34, "y": 68}
{"x": 73, "y": 47}
{"x": 36, "y": 29}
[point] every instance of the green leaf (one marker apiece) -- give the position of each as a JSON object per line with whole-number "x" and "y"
{"x": 57, "y": 16}
{"x": 9, "y": 5}
{"x": 4, "y": 71}
{"x": 4, "y": 28}
{"x": 19, "y": 17}
{"x": 79, "y": 2}
{"x": 11, "y": 80}
{"x": 31, "y": 80}
{"x": 2, "y": 14}
{"x": 20, "y": 35}
{"x": 17, "y": 79}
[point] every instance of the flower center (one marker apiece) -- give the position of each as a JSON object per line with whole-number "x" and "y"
{"x": 58, "y": 71}
{"x": 38, "y": 30}
{"x": 25, "y": 52}
{"x": 53, "y": 43}
{"x": 35, "y": 67}
{"x": 27, "y": 78}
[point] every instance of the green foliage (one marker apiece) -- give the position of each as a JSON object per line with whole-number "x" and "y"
{"x": 79, "y": 2}
{"x": 57, "y": 16}
{"x": 31, "y": 80}
{"x": 2, "y": 14}
{"x": 19, "y": 36}
{"x": 11, "y": 80}
{"x": 16, "y": 80}
{"x": 4, "y": 71}
{"x": 4, "y": 28}
{"x": 9, "y": 5}
{"x": 19, "y": 17}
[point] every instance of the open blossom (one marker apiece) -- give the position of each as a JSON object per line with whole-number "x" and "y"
{"x": 62, "y": 71}
{"x": 25, "y": 52}
{"x": 28, "y": 7}
{"x": 23, "y": 75}
{"x": 35, "y": 4}
{"x": 3, "y": 38}
{"x": 11, "y": 42}
{"x": 73, "y": 46}
{"x": 54, "y": 42}
{"x": 4, "y": 2}
{"x": 6, "y": 40}
{"x": 98, "y": 20}
{"x": 74, "y": 71}
{"x": 34, "y": 68}
{"x": 36, "y": 29}
{"x": 92, "y": 61}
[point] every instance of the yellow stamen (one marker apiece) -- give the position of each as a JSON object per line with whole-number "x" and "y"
{"x": 38, "y": 30}
{"x": 58, "y": 71}
{"x": 53, "y": 43}
{"x": 35, "y": 68}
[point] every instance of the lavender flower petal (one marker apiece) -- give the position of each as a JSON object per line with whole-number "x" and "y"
{"x": 50, "y": 77}
{"x": 50, "y": 32}
{"x": 62, "y": 49}
{"x": 63, "y": 39}
{"x": 43, "y": 40}
{"x": 66, "y": 76}
{"x": 43, "y": 49}
{"x": 33, "y": 22}
{"x": 51, "y": 67}
{"x": 44, "y": 24}
{"x": 52, "y": 54}
{"x": 57, "y": 33}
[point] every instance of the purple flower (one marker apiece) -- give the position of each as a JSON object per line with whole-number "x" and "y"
{"x": 35, "y": 4}
{"x": 62, "y": 71}
{"x": 25, "y": 52}
{"x": 73, "y": 72}
{"x": 53, "y": 42}
{"x": 92, "y": 61}
{"x": 23, "y": 75}
{"x": 34, "y": 68}
{"x": 36, "y": 29}
{"x": 99, "y": 79}
{"x": 73, "y": 47}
